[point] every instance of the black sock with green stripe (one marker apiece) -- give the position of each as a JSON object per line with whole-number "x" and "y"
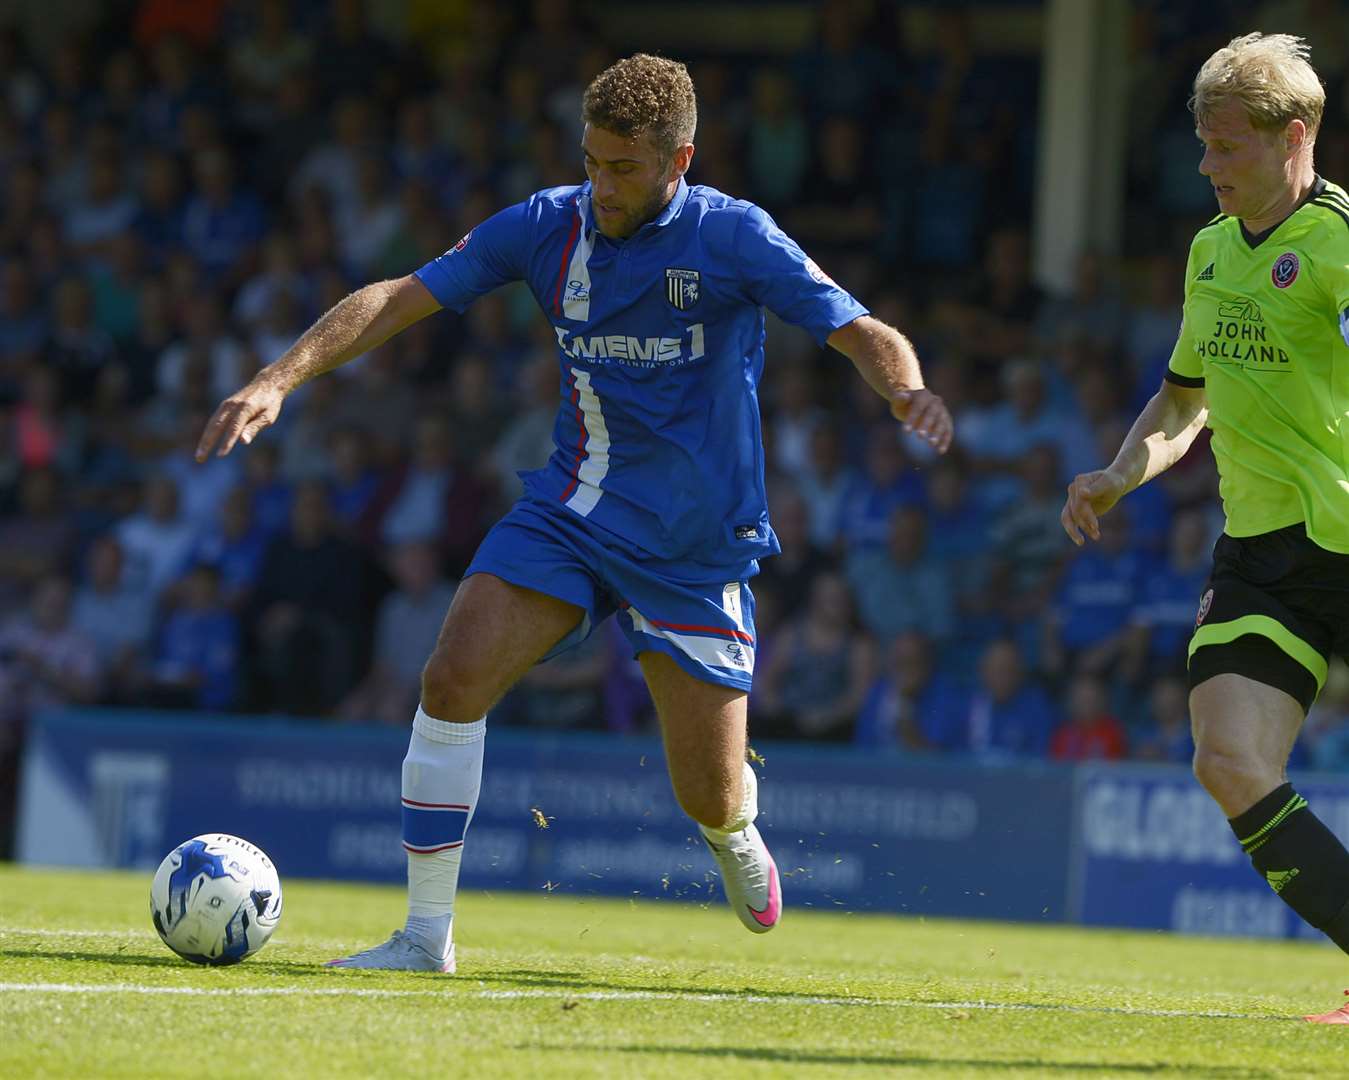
{"x": 1300, "y": 859}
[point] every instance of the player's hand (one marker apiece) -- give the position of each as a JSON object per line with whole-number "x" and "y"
{"x": 1089, "y": 496}
{"x": 926, "y": 415}
{"x": 242, "y": 415}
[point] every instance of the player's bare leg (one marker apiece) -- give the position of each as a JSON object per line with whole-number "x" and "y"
{"x": 1244, "y": 731}
{"x": 493, "y": 634}
{"x": 703, "y": 726}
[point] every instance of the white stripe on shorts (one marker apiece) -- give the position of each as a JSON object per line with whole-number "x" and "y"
{"x": 716, "y": 652}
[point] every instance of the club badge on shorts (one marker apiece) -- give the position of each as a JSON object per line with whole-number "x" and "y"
{"x": 1285, "y": 269}
{"x": 1205, "y": 602}
{"x": 681, "y": 287}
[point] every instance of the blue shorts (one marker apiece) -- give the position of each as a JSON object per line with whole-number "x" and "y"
{"x": 705, "y": 623}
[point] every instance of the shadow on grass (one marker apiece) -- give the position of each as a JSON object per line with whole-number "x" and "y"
{"x": 913, "y": 1061}
{"x": 288, "y": 968}
{"x": 582, "y": 982}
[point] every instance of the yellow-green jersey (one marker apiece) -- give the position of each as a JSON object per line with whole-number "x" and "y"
{"x": 1266, "y": 334}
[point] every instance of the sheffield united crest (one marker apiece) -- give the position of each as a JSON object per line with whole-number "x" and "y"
{"x": 681, "y": 287}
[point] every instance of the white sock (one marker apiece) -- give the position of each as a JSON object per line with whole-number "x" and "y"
{"x": 442, "y": 775}
{"x": 749, "y": 809}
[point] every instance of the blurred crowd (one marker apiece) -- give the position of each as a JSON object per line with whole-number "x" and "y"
{"x": 189, "y": 186}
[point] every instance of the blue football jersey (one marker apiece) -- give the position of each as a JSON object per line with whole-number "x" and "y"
{"x": 660, "y": 338}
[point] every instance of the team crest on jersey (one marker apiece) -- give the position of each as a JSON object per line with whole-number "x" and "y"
{"x": 1285, "y": 270}
{"x": 682, "y": 287}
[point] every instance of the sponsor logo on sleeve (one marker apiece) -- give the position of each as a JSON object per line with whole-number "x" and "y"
{"x": 813, "y": 269}
{"x": 1344, "y": 325}
{"x": 463, "y": 241}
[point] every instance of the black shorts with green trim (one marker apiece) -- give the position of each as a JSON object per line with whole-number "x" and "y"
{"x": 1275, "y": 609}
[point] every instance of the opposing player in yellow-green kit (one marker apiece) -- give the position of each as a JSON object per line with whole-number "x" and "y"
{"x": 1263, "y": 359}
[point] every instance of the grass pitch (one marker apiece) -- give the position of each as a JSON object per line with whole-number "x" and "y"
{"x": 557, "y": 986}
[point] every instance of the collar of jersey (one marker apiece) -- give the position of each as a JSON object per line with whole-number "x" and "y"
{"x": 671, "y": 211}
{"x": 1254, "y": 240}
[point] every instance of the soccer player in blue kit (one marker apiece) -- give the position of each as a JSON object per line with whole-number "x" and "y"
{"x": 652, "y": 506}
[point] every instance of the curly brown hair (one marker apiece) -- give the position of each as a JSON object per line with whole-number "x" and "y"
{"x": 644, "y": 94}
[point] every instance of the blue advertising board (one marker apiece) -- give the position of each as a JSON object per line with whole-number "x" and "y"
{"x": 853, "y": 830}
{"x": 1151, "y": 849}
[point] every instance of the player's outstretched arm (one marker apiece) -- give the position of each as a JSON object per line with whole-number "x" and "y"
{"x": 1159, "y": 438}
{"x": 355, "y": 325}
{"x": 885, "y": 358}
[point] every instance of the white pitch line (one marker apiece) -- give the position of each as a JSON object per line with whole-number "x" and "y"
{"x": 611, "y": 995}
{"x": 34, "y": 931}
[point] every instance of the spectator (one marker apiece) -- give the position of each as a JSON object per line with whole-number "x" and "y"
{"x": 271, "y": 496}
{"x": 1008, "y": 716}
{"x": 38, "y": 541}
{"x": 902, "y": 587}
{"x": 819, "y": 672}
{"x": 309, "y": 611}
{"x": 795, "y": 418}
{"x": 1090, "y": 732}
{"x": 44, "y": 661}
{"x": 77, "y": 348}
{"x": 206, "y": 336}
{"x": 789, "y": 575}
{"x": 222, "y": 224}
{"x": 406, "y": 629}
{"x": 104, "y": 209}
{"x": 1163, "y": 617}
{"x": 373, "y": 219}
{"x": 334, "y": 167}
{"x": 1092, "y": 311}
{"x": 353, "y": 481}
{"x": 260, "y": 63}
{"x": 564, "y": 691}
{"x": 527, "y": 440}
{"x": 157, "y": 539}
{"x": 46, "y": 433}
{"x": 159, "y": 217}
{"x": 202, "y": 487}
{"x": 778, "y": 140}
{"x": 911, "y": 706}
{"x": 825, "y": 481}
{"x": 1088, "y": 626}
{"x": 1165, "y": 736}
{"x": 432, "y": 499}
{"x": 280, "y": 276}
{"x": 1027, "y": 540}
{"x": 196, "y": 660}
{"x": 23, "y": 327}
{"x": 998, "y": 439}
{"x": 116, "y": 618}
{"x": 234, "y": 550}
{"x": 887, "y": 483}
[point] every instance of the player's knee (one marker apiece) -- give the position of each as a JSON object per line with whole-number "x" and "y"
{"x": 450, "y": 691}
{"x": 1233, "y": 779}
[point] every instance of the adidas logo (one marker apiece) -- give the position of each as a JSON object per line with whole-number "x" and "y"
{"x": 1206, "y": 274}
{"x": 1279, "y": 879}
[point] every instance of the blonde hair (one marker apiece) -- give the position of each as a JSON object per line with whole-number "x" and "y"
{"x": 1271, "y": 77}
{"x": 642, "y": 95}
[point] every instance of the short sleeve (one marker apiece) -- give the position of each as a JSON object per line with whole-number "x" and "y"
{"x": 493, "y": 254}
{"x": 781, "y": 277}
{"x": 1186, "y": 367}
{"x": 1337, "y": 284}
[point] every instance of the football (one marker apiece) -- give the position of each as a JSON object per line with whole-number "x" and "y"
{"x": 215, "y": 899}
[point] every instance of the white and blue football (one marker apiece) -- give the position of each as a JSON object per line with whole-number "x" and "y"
{"x": 215, "y": 899}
